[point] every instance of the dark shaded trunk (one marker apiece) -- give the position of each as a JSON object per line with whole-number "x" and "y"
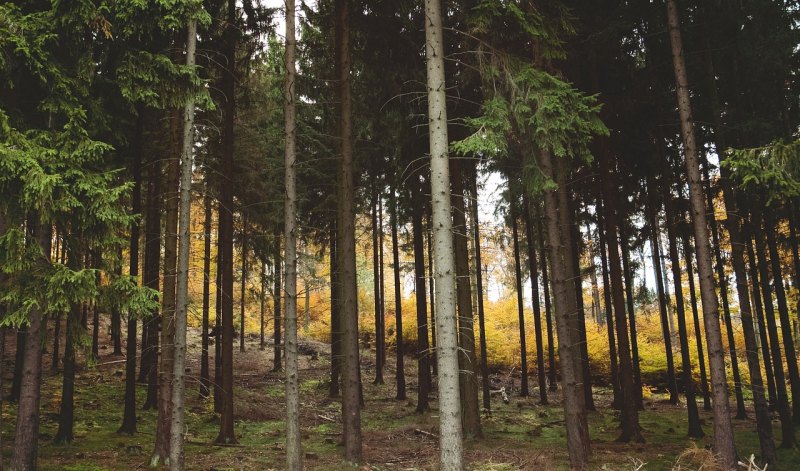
{"x": 376, "y": 285}
{"x": 129, "y": 415}
{"x": 616, "y": 403}
{"x": 243, "y": 292}
{"x": 277, "y": 318}
{"x": 533, "y": 267}
{"x": 226, "y": 431}
{"x": 95, "y": 331}
{"x": 672, "y": 384}
{"x": 783, "y": 313}
{"x": 694, "y": 428}
{"x": 719, "y": 267}
{"x": 630, "y": 429}
{"x": 19, "y": 363}
{"x": 336, "y": 332}
{"x": 784, "y": 413}
{"x": 66, "y": 415}
{"x": 577, "y": 277}
{"x": 476, "y": 231}
{"x": 56, "y": 358}
{"x": 628, "y": 275}
{"x": 382, "y": 330}
{"x": 548, "y": 314}
{"x": 218, "y": 336}
{"x": 467, "y": 360}
{"x": 701, "y": 357}
{"x": 205, "y": 378}
{"x": 400, "y": 374}
{"x": 762, "y": 326}
{"x": 26, "y": 433}
{"x": 423, "y": 356}
{"x": 520, "y": 307}
{"x": 152, "y": 280}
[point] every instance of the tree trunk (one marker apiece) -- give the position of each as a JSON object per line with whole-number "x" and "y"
{"x": 205, "y": 378}
{"x": 19, "y": 363}
{"x": 580, "y": 318}
{"x": 551, "y": 349}
{"x": 476, "y": 233}
{"x": 701, "y": 357}
{"x": 168, "y": 298}
{"x": 784, "y": 413}
{"x": 218, "y": 331}
{"x": 423, "y": 352}
{"x": 719, "y": 266}
{"x": 663, "y": 301}
{"x": 66, "y": 413}
{"x": 176, "y": 450}
{"x": 263, "y": 299}
{"x": 346, "y": 246}
{"x": 523, "y": 352}
{"x": 294, "y": 450}
{"x": 400, "y": 374}
{"x": 336, "y": 330}
{"x": 376, "y": 279}
{"x": 628, "y": 276}
{"x": 762, "y": 326}
{"x": 695, "y": 430}
{"x": 226, "y": 432}
{"x": 432, "y": 285}
{"x": 616, "y": 403}
{"x": 467, "y": 360}
{"x": 724, "y": 444}
{"x": 533, "y": 267}
{"x": 26, "y": 433}
{"x": 276, "y": 306}
{"x": 450, "y": 446}
{"x": 129, "y": 415}
{"x": 243, "y": 292}
{"x": 631, "y": 431}
{"x": 564, "y": 304}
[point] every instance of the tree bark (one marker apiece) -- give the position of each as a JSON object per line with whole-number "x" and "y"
{"x": 205, "y": 378}
{"x": 701, "y": 356}
{"x": 476, "y": 234}
{"x": 400, "y": 374}
{"x": 551, "y": 349}
{"x": 66, "y": 414}
{"x": 336, "y": 330}
{"x": 294, "y": 450}
{"x": 376, "y": 279}
{"x": 533, "y": 267}
{"x": 423, "y": 351}
{"x": 762, "y": 326}
{"x": 724, "y": 444}
{"x": 277, "y": 296}
{"x": 616, "y": 403}
{"x": 523, "y": 351}
{"x": 628, "y": 276}
{"x": 450, "y": 432}
{"x": 243, "y": 292}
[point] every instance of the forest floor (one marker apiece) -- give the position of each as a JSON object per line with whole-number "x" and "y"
{"x": 519, "y": 435}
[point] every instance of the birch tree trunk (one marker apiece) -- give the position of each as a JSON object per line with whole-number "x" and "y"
{"x": 294, "y": 461}
{"x": 176, "y": 455}
{"x": 450, "y": 446}
{"x": 724, "y": 445}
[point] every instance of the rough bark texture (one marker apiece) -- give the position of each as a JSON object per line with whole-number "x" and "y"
{"x": 176, "y": 426}
{"x": 346, "y": 245}
{"x": 724, "y": 444}
{"x": 294, "y": 451}
{"x": 26, "y": 433}
{"x": 450, "y": 446}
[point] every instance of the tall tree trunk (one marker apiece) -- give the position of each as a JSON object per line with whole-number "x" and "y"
{"x": 476, "y": 238}
{"x": 168, "y": 298}
{"x": 226, "y": 432}
{"x": 66, "y": 414}
{"x": 276, "y": 306}
{"x": 695, "y": 430}
{"x": 701, "y": 357}
{"x": 784, "y": 413}
{"x": 548, "y": 316}
{"x": 467, "y": 360}
{"x": 533, "y": 267}
{"x": 243, "y": 292}
{"x": 382, "y": 329}
{"x": 616, "y": 403}
{"x": 55, "y": 358}
{"x": 129, "y": 415}
{"x": 400, "y": 374}
{"x": 628, "y": 276}
{"x": 523, "y": 352}
{"x": 26, "y": 433}
{"x": 423, "y": 352}
{"x": 176, "y": 450}
{"x": 724, "y": 444}
{"x": 294, "y": 450}
{"x": 218, "y": 393}
{"x": 719, "y": 266}
{"x": 205, "y": 378}
{"x": 263, "y": 300}
{"x": 450, "y": 446}
{"x": 762, "y": 326}
{"x": 783, "y": 313}
{"x": 564, "y": 305}
{"x": 346, "y": 246}
{"x": 19, "y": 363}
{"x": 336, "y": 330}
{"x": 432, "y": 290}
{"x": 376, "y": 279}
{"x": 663, "y": 301}
{"x": 630, "y": 410}
{"x": 577, "y": 278}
